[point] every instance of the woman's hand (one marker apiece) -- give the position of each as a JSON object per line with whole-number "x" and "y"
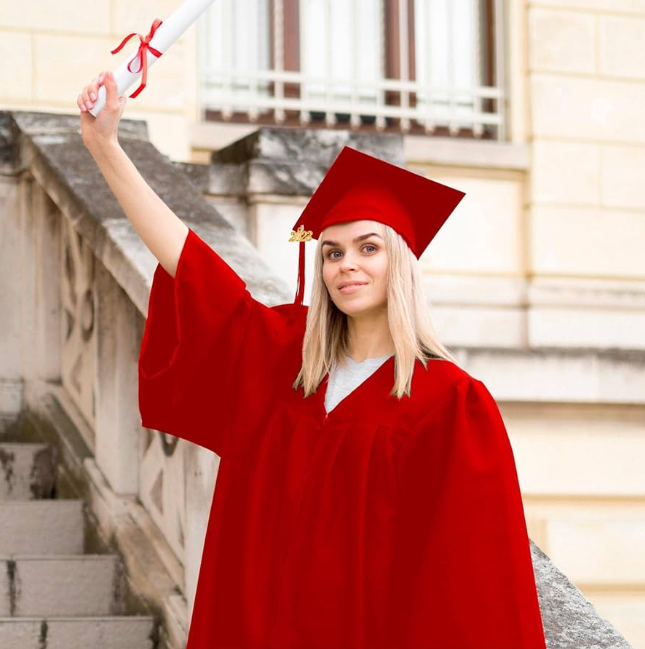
{"x": 103, "y": 129}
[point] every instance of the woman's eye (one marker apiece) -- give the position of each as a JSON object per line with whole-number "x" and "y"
{"x": 331, "y": 253}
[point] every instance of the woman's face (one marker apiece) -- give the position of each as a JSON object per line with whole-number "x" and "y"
{"x": 355, "y": 266}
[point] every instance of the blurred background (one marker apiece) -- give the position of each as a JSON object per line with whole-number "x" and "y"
{"x": 537, "y": 281}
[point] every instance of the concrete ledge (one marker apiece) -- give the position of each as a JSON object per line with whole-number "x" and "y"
{"x": 454, "y": 152}
{"x": 11, "y": 396}
{"x": 42, "y": 527}
{"x": 552, "y": 374}
{"x": 50, "y": 147}
{"x": 27, "y": 471}
{"x": 131, "y": 632}
{"x": 443, "y": 151}
{"x": 71, "y": 585}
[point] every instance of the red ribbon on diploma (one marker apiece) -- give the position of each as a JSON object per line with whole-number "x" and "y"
{"x": 141, "y": 53}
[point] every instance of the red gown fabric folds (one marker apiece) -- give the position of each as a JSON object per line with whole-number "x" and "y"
{"x": 383, "y": 524}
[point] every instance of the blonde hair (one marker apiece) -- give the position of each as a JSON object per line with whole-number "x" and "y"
{"x": 326, "y": 335}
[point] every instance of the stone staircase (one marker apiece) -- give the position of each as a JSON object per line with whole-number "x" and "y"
{"x": 56, "y": 590}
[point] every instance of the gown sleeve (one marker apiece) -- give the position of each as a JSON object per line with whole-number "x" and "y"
{"x": 206, "y": 351}
{"x": 462, "y": 574}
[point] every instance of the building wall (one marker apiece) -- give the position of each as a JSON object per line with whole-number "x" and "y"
{"x": 546, "y": 251}
{"x": 585, "y": 234}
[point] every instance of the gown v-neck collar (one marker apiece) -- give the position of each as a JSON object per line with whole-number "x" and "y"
{"x": 372, "y": 385}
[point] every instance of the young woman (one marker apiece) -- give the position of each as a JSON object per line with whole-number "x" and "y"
{"x": 367, "y": 495}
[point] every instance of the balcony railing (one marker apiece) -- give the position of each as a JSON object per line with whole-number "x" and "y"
{"x": 422, "y": 66}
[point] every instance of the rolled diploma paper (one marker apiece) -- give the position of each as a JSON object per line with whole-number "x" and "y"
{"x": 167, "y": 33}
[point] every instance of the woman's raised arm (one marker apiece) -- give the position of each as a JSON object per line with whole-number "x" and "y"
{"x": 163, "y": 232}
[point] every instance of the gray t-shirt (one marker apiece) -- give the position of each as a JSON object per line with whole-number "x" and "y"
{"x": 345, "y": 379}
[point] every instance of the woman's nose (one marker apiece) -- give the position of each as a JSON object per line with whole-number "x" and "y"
{"x": 348, "y": 261}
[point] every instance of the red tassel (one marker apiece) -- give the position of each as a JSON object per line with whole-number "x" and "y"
{"x": 300, "y": 291}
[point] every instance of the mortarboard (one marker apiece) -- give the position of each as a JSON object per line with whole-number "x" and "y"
{"x": 359, "y": 186}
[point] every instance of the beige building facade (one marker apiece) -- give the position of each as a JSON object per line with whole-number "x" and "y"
{"x": 537, "y": 282}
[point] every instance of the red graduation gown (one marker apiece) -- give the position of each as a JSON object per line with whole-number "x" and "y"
{"x": 384, "y": 524}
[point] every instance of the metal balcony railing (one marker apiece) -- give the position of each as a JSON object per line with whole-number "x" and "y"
{"x": 428, "y": 64}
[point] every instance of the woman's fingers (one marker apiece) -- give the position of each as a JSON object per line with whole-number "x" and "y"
{"x": 81, "y": 101}
{"x": 111, "y": 91}
{"x": 87, "y": 99}
{"x": 90, "y": 92}
{"x": 94, "y": 89}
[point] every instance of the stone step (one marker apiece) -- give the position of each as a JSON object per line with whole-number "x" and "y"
{"x": 62, "y": 586}
{"x": 27, "y": 471}
{"x": 127, "y": 632}
{"x": 41, "y": 527}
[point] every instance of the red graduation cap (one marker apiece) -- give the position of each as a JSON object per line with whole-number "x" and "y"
{"x": 359, "y": 186}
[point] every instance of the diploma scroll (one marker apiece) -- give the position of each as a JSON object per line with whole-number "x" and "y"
{"x": 161, "y": 36}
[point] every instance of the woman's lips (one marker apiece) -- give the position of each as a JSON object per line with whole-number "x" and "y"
{"x": 352, "y": 288}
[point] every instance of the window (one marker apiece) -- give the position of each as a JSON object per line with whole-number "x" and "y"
{"x": 421, "y": 66}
